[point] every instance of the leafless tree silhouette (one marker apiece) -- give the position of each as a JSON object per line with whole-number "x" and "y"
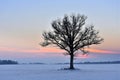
{"x": 71, "y": 35}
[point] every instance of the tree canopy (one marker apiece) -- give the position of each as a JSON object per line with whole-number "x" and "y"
{"x": 71, "y": 34}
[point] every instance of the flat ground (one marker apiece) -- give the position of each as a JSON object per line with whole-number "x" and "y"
{"x": 53, "y": 72}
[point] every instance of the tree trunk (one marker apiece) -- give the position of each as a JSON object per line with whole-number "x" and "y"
{"x": 71, "y": 61}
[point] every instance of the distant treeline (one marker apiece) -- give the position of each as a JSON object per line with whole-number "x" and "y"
{"x": 8, "y": 62}
{"x": 36, "y": 63}
{"x": 105, "y": 62}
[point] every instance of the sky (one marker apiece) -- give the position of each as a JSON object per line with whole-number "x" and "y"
{"x": 23, "y": 21}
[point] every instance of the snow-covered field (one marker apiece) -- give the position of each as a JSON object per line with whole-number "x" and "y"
{"x": 53, "y": 72}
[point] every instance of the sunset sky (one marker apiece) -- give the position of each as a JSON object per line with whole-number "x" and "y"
{"x": 23, "y": 21}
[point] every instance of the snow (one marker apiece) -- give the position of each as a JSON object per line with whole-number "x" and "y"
{"x": 54, "y": 72}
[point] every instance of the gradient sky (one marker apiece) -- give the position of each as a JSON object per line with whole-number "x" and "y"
{"x": 23, "y": 21}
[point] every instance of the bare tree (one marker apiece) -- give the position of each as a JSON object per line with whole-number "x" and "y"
{"x": 71, "y": 35}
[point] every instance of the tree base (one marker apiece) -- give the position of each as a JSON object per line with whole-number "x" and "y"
{"x": 69, "y": 69}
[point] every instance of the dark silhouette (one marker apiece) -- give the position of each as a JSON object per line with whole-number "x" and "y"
{"x": 103, "y": 62}
{"x": 8, "y": 62}
{"x": 99, "y": 62}
{"x": 71, "y": 35}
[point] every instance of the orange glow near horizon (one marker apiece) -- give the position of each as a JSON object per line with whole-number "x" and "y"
{"x": 101, "y": 51}
{"x": 83, "y": 56}
{"x": 41, "y": 50}
{"x": 51, "y": 50}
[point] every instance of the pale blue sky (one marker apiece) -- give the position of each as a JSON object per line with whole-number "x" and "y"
{"x": 23, "y": 21}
